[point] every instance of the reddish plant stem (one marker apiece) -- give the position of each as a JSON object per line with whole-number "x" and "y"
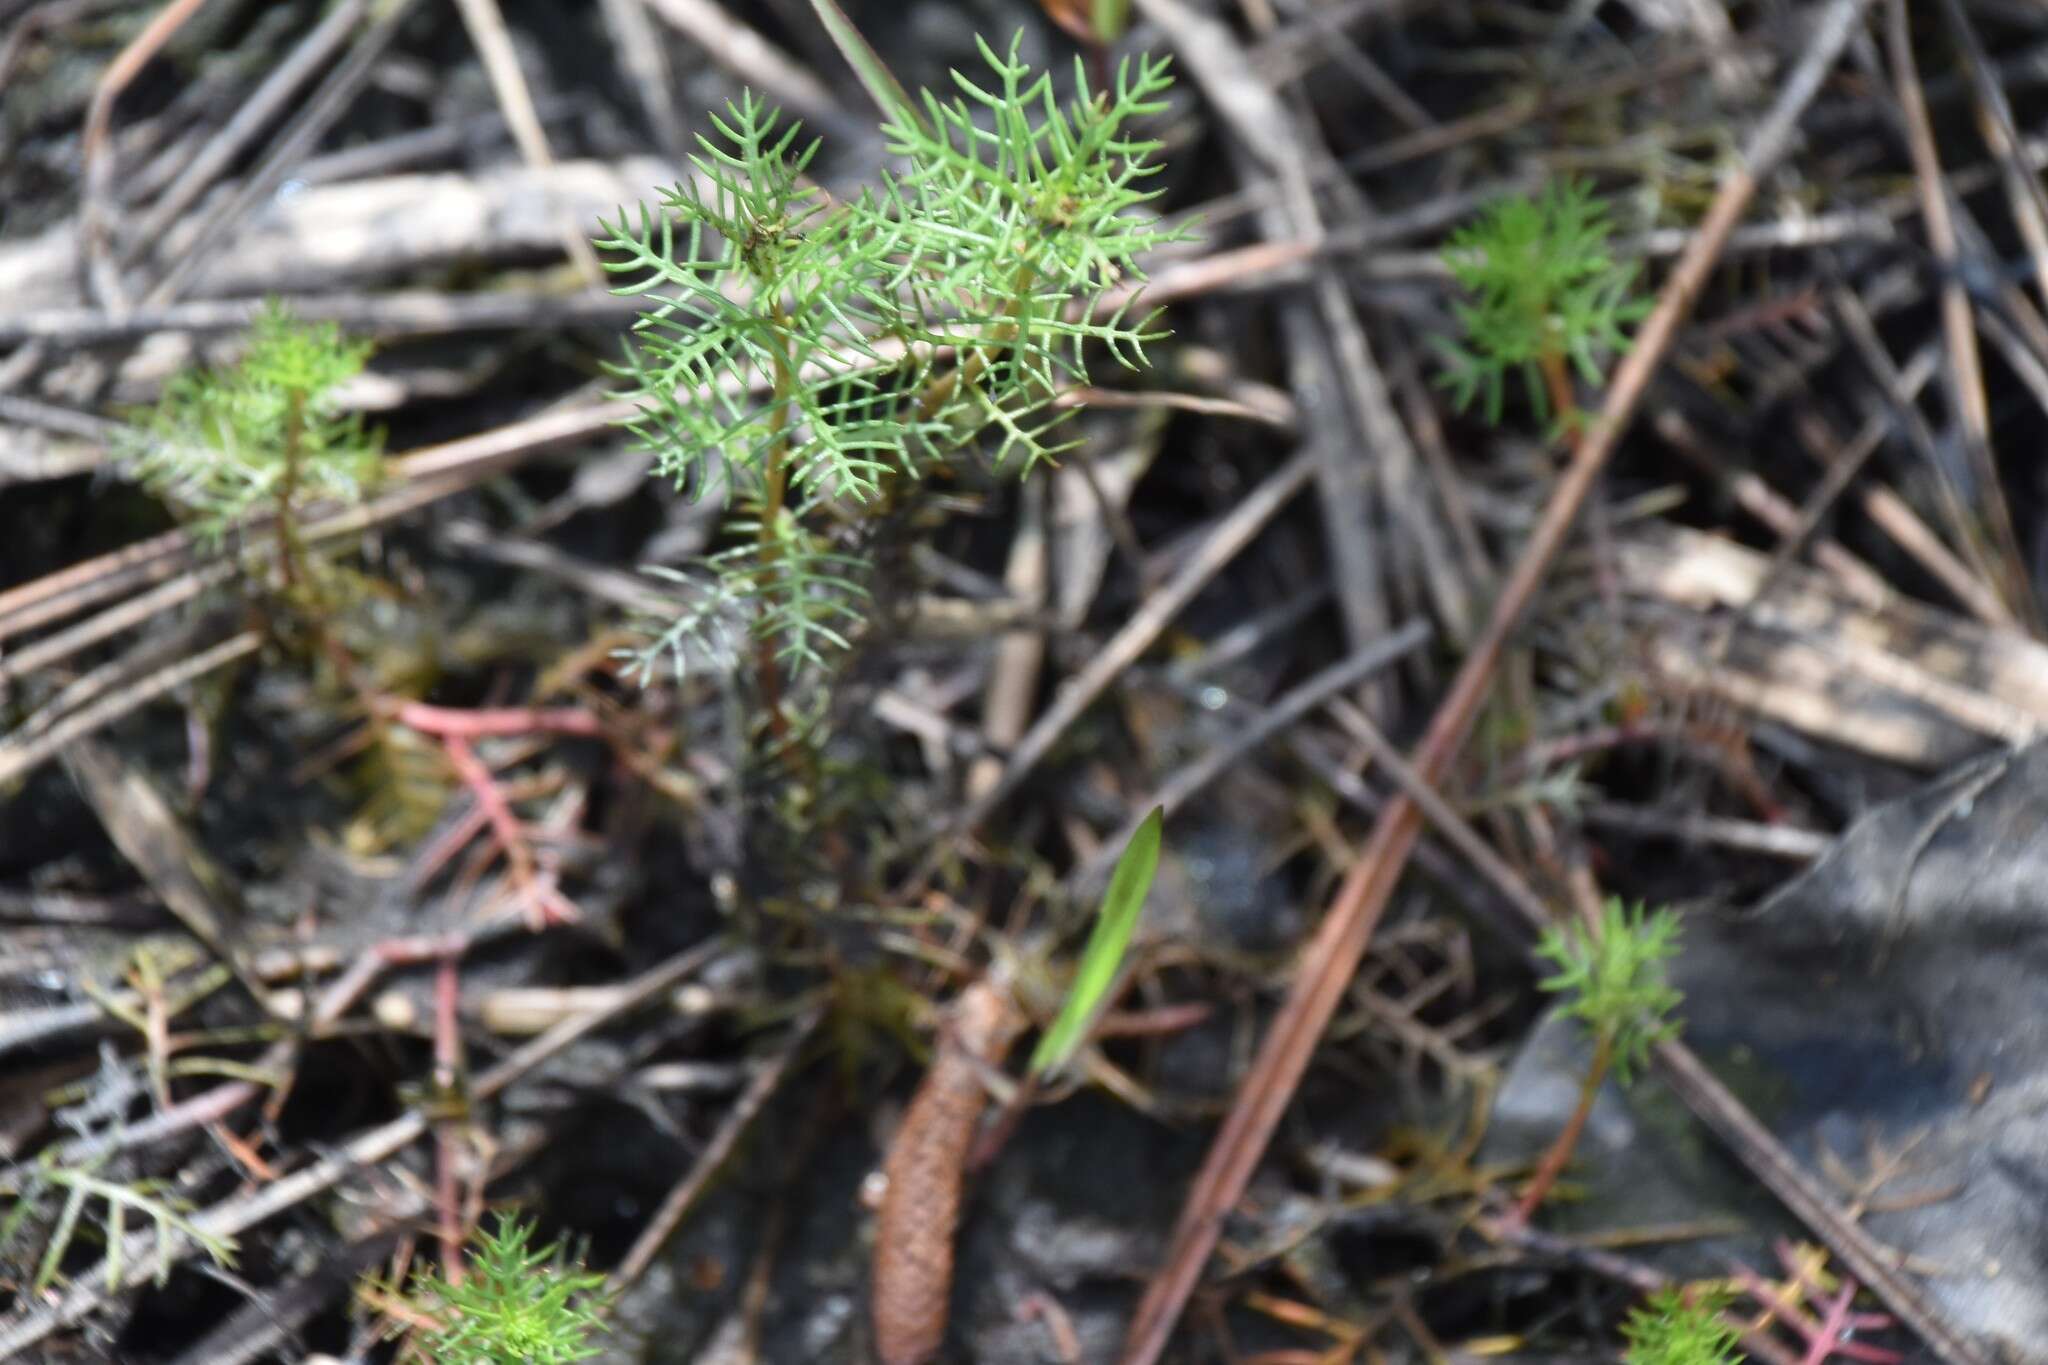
{"x": 1553, "y": 1163}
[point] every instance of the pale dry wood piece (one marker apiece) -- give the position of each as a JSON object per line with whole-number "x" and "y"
{"x": 926, "y": 1169}
{"x": 1899, "y": 680}
{"x": 349, "y": 235}
{"x": 1019, "y": 655}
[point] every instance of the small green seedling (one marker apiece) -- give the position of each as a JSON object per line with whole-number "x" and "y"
{"x": 1122, "y": 904}
{"x": 816, "y": 362}
{"x": 1673, "y": 1329}
{"x": 1544, "y": 295}
{"x": 1616, "y": 987}
{"x": 515, "y": 1306}
{"x": 262, "y": 436}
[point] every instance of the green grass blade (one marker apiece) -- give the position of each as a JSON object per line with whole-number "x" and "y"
{"x": 880, "y": 82}
{"x": 1112, "y": 17}
{"x": 1114, "y": 923}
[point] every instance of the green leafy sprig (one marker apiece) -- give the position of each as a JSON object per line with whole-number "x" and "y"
{"x": 1616, "y": 980}
{"x": 1543, "y": 289}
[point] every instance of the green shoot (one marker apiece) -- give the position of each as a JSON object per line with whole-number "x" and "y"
{"x": 816, "y": 362}
{"x": 874, "y": 74}
{"x": 261, "y": 436}
{"x": 515, "y": 1306}
{"x": 1672, "y": 1329}
{"x": 1543, "y": 291}
{"x": 1615, "y": 979}
{"x": 1114, "y": 923}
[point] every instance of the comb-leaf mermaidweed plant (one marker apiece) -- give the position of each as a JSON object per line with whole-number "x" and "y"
{"x": 816, "y": 362}
{"x": 1615, "y": 983}
{"x": 1544, "y": 295}
{"x": 262, "y": 436}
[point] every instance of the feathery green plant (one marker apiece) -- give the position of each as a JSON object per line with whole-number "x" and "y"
{"x": 1672, "y": 1329}
{"x": 814, "y": 362}
{"x": 263, "y": 435}
{"x": 1615, "y": 980}
{"x": 1544, "y": 291}
{"x": 517, "y": 1305}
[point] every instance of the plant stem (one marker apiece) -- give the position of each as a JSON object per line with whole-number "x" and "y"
{"x": 289, "y": 552}
{"x": 774, "y": 497}
{"x": 1557, "y": 379}
{"x": 1553, "y": 1163}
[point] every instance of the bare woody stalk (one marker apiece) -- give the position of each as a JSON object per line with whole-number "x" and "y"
{"x": 1332, "y": 957}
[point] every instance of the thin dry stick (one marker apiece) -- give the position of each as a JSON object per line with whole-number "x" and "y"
{"x": 18, "y": 759}
{"x": 2002, "y": 136}
{"x": 1289, "y": 710}
{"x": 670, "y": 1215}
{"x": 1768, "y": 1160}
{"x": 289, "y": 150}
{"x": 486, "y": 24}
{"x": 755, "y": 60}
{"x": 643, "y": 56}
{"x": 95, "y": 227}
{"x": 1333, "y": 955}
{"x": 250, "y": 118}
{"x": 1231, "y": 534}
{"x": 1965, "y": 367}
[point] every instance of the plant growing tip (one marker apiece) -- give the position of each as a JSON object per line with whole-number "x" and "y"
{"x": 1671, "y": 1328}
{"x": 1122, "y": 904}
